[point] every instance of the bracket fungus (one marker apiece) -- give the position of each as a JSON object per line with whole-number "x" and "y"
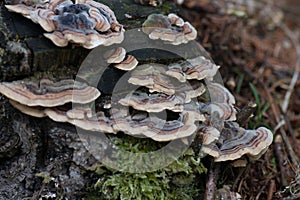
{"x": 153, "y": 102}
{"x": 224, "y": 110}
{"x": 153, "y": 76}
{"x": 209, "y": 134}
{"x": 49, "y": 93}
{"x": 197, "y": 68}
{"x": 97, "y": 122}
{"x": 116, "y": 55}
{"x": 169, "y": 28}
{"x": 156, "y": 128}
{"x": 248, "y": 142}
{"x": 87, "y": 23}
{"x": 127, "y": 64}
{"x": 120, "y": 60}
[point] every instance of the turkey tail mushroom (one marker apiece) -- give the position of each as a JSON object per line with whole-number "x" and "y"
{"x": 250, "y": 142}
{"x": 86, "y": 22}
{"x": 169, "y": 28}
{"x": 49, "y": 93}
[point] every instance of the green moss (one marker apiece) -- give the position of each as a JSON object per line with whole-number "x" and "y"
{"x": 2, "y": 51}
{"x": 45, "y": 176}
{"x": 176, "y": 181}
{"x": 166, "y": 7}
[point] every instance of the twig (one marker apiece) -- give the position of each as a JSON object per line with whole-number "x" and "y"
{"x": 242, "y": 172}
{"x": 213, "y": 176}
{"x": 289, "y": 125}
{"x": 290, "y": 149}
{"x": 279, "y": 158}
{"x": 294, "y": 79}
{"x": 262, "y": 189}
{"x": 272, "y": 189}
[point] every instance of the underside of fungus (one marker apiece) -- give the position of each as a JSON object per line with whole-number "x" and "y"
{"x": 87, "y": 23}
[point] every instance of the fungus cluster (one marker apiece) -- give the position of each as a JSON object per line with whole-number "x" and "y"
{"x": 173, "y": 87}
{"x": 172, "y": 101}
{"x": 87, "y": 23}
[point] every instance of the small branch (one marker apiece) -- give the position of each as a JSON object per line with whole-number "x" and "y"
{"x": 290, "y": 149}
{"x": 213, "y": 176}
{"x": 272, "y": 189}
{"x": 293, "y": 38}
{"x": 278, "y": 146}
{"x": 242, "y": 173}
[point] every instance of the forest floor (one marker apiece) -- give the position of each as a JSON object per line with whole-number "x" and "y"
{"x": 257, "y": 45}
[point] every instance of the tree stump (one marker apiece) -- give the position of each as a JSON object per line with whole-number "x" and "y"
{"x": 39, "y": 157}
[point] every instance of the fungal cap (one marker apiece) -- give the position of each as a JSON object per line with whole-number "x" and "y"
{"x": 153, "y": 77}
{"x": 115, "y": 55}
{"x": 161, "y": 130}
{"x": 209, "y": 134}
{"x": 128, "y": 64}
{"x": 21, "y": 9}
{"x": 251, "y": 142}
{"x": 48, "y": 93}
{"x": 152, "y": 102}
{"x": 169, "y": 28}
{"x": 43, "y": 18}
